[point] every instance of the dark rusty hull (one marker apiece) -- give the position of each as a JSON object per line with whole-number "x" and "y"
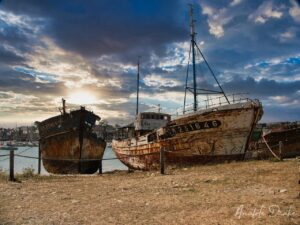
{"x": 197, "y": 138}
{"x": 68, "y": 145}
{"x": 61, "y": 153}
{"x": 290, "y": 139}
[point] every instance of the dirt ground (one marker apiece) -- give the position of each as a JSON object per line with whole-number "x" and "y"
{"x": 254, "y": 192}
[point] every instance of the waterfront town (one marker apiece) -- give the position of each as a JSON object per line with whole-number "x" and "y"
{"x": 108, "y": 132}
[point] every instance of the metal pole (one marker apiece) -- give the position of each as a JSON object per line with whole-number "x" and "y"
{"x": 138, "y": 87}
{"x": 40, "y": 159}
{"x": 280, "y": 150}
{"x": 11, "y": 166}
{"x": 186, "y": 79}
{"x": 162, "y": 160}
{"x": 193, "y": 34}
{"x": 100, "y": 167}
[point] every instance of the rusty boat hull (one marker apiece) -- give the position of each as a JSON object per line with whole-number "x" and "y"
{"x": 61, "y": 153}
{"x": 68, "y": 145}
{"x": 290, "y": 139}
{"x": 208, "y": 136}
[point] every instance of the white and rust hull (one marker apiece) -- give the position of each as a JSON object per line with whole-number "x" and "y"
{"x": 215, "y": 135}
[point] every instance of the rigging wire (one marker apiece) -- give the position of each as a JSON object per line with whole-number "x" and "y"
{"x": 212, "y": 73}
{"x": 186, "y": 79}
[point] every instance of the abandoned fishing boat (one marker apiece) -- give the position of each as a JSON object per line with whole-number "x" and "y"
{"x": 67, "y": 143}
{"x": 290, "y": 139}
{"x": 220, "y": 131}
{"x": 281, "y": 139}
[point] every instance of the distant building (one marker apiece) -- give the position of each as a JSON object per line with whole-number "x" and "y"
{"x": 125, "y": 132}
{"x": 105, "y": 131}
{"x": 21, "y": 134}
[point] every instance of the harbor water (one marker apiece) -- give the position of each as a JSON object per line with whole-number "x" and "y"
{"x": 22, "y": 163}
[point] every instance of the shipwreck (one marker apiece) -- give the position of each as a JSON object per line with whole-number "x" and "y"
{"x": 67, "y": 143}
{"x": 218, "y": 131}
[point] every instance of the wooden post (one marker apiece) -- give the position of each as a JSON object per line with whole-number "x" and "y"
{"x": 280, "y": 150}
{"x": 100, "y": 167}
{"x": 39, "y": 160}
{"x": 162, "y": 160}
{"x": 11, "y": 166}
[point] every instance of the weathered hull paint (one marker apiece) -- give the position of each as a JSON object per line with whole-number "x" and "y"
{"x": 207, "y": 141}
{"x": 61, "y": 153}
{"x": 290, "y": 139}
{"x": 68, "y": 145}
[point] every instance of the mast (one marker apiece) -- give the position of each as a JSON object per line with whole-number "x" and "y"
{"x": 193, "y": 43}
{"x": 64, "y": 106}
{"x": 193, "y": 49}
{"x": 138, "y": 86}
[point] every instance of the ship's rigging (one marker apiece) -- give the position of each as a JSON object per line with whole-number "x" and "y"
{"x": 194, "y": 48}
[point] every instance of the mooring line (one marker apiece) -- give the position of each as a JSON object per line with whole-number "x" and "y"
{"x": 270, "y": 148}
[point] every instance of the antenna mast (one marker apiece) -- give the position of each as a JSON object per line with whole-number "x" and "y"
{"x": 193, "y": 48}
{"x": 64, "y": 106}
{"x": 193, "y": 43}
{"x": 138, "y": 86}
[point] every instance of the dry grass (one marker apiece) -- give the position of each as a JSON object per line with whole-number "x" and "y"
{"x": 255, "y": 192}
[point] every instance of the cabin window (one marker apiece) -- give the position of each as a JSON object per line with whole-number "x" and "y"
{"x": 161, "y": 117}
{"x": 152, "y": 137}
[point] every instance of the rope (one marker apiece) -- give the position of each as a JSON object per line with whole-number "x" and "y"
{"x": 270, "y": 148}
{"x": 15, "y": 154}
{"x": 4, "y": 159}
{"x": 25, "y": 156}
{"x": 80, "y": 160}
{"x": 117, "y": 158}
{"x": 25, "y": 150}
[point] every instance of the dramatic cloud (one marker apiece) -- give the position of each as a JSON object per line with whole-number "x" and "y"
{"x": 265, "y": 12}
{"x": 217, "y": 19}
{"x": 87, "y": 52}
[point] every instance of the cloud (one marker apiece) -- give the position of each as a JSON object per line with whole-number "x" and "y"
{"x": 235, "y": 3}
{"x": 216, "y": 19}
{"x": 279, "y": 69}
{"x": 114, "y": 27}
{"x": 55, "y": 49}
{"x": 295, "y": 10}
{"x": 159, "y": 81}
{"x": 289, "y": 34}
{"x": 265, "y": 12}
{"x": 262, "y": 88}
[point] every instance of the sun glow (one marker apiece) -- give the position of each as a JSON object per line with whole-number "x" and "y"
{"x": 81, "y": 98}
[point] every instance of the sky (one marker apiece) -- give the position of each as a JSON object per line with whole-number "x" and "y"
{"x": 87, "y": 53}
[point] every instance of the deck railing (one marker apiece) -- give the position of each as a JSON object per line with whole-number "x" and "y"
{"x": 214, "y": 102}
